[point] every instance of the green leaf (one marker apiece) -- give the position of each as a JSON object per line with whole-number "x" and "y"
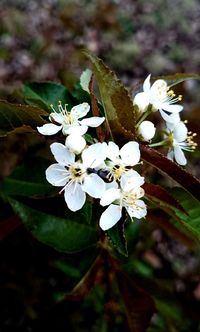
{"x": 178, "y": 174}
{"x": 63, "y": 234}
{"x": 17, "y": 187}
{"x": 117, "y": 237}
{"x": 192, "y": 206}
{"x": 79, "y": 94}
{"x": 68, "y": 269}
{"x": 29, "y": 179}
{"x": 179, "y": 77}
{"x": 21, "y": 117}
{"x": 46, "y": 93}
{"x": 118, "y": 106}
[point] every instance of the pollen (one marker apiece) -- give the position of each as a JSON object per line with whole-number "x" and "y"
{"x": 171, "y": 93}
{"x": 190, "y": 141}
{"x": 76, "y": 173}
{"x": 130, "y": 199}
{"x": 117, "y": 171}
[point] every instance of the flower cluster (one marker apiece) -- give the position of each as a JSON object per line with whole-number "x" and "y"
{"x": 101, "y": 170}
{"x": 160, "y": 97}
{"x": 104, "y": 171}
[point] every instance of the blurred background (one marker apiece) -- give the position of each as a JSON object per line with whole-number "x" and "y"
{"x": 42, "y": 40}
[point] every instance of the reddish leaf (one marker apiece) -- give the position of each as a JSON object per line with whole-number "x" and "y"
{"x": 9, "y": 225}
{"x": 85, "y": 285}
{"x": 139, "y": 304}
{"x": 13, "y": 116}
{"x": 178, "y": 174}
{"x": 118, "y": 105}
{"x": 161, "y": 196}
{"x": 95, "y": 110}
{"x": 23, "y": 129}
{"x": 160, "y": 218}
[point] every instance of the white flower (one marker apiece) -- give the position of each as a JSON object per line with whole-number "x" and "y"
{"x": 129, "y": 197}
{"x": 73, "y": 175}
{"x": 119, "y": 159}
{"x": 179, "y": 139}
{"x": 146, "y": 130}
{"x": 68, "y": 121}
{"x": 160, "y": 96}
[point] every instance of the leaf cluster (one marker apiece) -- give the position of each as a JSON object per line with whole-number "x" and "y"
{"x": 41, "y": 209}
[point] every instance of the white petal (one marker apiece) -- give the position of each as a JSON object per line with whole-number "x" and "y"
{"x": 74, "y": 197}
{"x": 75, "y": 143}
{"x": 94, "y": 121}
{"x": 62, "y": 154}
{"x": 85, "y": 79}
{"x": 109, "y": 196}
{"x": 147, "y": 84}
{"x": 180, "y": 132}
{"x": 179, "y": 155}
{"x": 146, "y": 130}
{"x": 172, "y": 108}
{"x": 57, "y": 117}
{"x": 112, "y": 151}
{"x": 94, "y": 186}
{"x": 171, "y": 119}
{"x": 159, "y": 88}
{"x": 131, "y": 180}
{"x": 49, "y": 129}
{"x": 139, "y": 211}
{"x": 110, "y": 217}
{"x": 94, "y": 155}
{"x": 138, "y": 192}
{"x": 142, "y": 101}
{"x": 112, "y": 184}
{"x": 79, "y": 111}
{"x": 155, "y": 104}
{"x": 57, "y": 175}
{"x": 130, "y": 153}
{"x": 170, "y": 155}
{"x": 74, "y": 129}
{"x": 168, "y": 118}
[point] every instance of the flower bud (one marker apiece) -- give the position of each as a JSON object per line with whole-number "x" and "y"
{"x": 146, "y": 130}
{"x": 75, "y": 143}
{"x": 142, "y": 101}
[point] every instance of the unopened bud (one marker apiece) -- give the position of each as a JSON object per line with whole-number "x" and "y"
{"x": 75, "y": 143}
{"x": 146, "y": 130}
{"x": 142, "y": 101}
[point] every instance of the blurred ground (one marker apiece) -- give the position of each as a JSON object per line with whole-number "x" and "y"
{"x": 42, "y": 40}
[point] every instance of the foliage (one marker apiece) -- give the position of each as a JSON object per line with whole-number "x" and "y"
{"x": 115, "y": 267}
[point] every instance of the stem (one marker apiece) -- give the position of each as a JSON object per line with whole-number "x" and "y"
{"x": 144, "y": 115}
{"x": 161, "y": 143}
